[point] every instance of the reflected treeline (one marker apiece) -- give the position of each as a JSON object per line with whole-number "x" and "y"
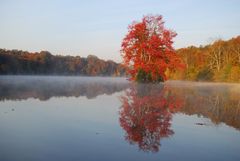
{"x": 44, "y": 87}
{"x": 146, "y": 111}
{"x": 218, "y": 102}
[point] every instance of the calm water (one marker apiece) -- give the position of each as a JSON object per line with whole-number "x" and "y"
{"x": 110, "y": 119}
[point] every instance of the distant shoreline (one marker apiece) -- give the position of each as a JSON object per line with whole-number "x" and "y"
{"x": 15, "y": 62}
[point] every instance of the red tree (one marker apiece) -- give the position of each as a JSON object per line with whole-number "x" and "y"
{"x": 147, "y": 50}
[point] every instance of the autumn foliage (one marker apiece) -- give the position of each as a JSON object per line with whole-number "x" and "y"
{"x": 218, "y": 61}
{"x": 147, "y": 50}
{"x": 44, "y": 63}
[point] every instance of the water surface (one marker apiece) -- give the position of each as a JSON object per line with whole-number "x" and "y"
{"x": 84, "y": 118}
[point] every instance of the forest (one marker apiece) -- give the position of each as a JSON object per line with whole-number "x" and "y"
{"x": 219, "y": 61}
{"x": 16, "y": 62}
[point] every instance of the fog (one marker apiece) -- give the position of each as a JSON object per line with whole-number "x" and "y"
{"x": 206, "y": 86}
{"x": 45, "y": 87}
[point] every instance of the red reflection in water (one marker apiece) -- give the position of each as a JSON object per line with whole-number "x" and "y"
{"x": 146, "y": 114}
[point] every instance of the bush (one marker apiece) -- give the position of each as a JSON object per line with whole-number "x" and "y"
{"x": 144, "y": 77}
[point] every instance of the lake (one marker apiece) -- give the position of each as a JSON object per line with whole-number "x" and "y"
{"x": 110, "y": 119}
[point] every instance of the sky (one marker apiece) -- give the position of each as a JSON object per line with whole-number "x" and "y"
{"x": 97, "y": 27}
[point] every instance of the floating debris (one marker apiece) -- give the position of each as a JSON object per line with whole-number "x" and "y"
{"x": 200, "y": 124}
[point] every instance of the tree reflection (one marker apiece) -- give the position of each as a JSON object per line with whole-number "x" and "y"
{"x": 146, "y": 114}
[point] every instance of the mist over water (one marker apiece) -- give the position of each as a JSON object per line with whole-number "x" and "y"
{"x": 103, "y": 118}
{"x": 45, "y": 87}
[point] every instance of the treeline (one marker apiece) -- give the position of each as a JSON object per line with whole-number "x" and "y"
{"x": 219, "y": 61}
{"x": 44, "y": 63}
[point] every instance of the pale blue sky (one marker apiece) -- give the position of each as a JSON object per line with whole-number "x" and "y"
{"x": 71, "y": 27}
